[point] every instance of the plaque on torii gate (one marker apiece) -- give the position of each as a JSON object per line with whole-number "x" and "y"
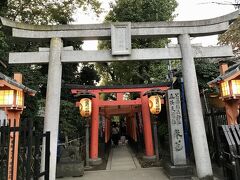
{"x": 182, "y": 30}
{"x": 121, "y": 39}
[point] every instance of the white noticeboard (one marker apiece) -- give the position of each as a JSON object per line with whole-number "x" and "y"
{"x": 175, "y": 126}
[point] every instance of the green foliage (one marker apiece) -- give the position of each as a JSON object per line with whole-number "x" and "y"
{"x": 132, "y": 72}
{"x": 88, "y": 75}
{"x": 3, "y": 6}
{"x": 33, "y": 78}
{"x": 4, "y": 47}
{"x": 48, "y": 11}
{"x": 232, "y": 35}
{"x": 206, "y": 71}
{"x": 137, "y": 72}
{"x": 142, "y": 10}
{"x": 71, "y": 123}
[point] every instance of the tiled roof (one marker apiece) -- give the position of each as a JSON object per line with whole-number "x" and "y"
{"x": 17, "y": 84}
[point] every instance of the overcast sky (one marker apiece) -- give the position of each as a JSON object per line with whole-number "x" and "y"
{"x": 186, "y": 10}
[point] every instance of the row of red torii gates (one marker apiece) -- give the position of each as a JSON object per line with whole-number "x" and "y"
{"x": 107, "y": 109}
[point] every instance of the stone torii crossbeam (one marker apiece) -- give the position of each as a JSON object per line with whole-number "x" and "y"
{"x": 121, "y": 35}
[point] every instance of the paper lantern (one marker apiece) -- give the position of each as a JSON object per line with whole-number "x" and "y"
{"x": 230, "y": 89}
{"x": 85, "y": 107}
{"x": 155, "y": 104}
{"x": 11, "y": 98}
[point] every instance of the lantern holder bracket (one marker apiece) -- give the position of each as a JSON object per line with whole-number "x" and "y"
{"x": 155, "y": 91}
{"x": 85, "y": 94}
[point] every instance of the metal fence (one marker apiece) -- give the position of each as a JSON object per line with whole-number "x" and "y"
{"x": 224, "y": 143}
{"x": 29, "y": 151}
{"x": 213, "y": 120}
{"x": 229, "y": 146}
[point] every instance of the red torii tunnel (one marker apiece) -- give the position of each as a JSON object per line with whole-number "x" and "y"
{"x": 120, "y": 105}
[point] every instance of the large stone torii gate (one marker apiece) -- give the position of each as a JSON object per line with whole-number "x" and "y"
{"x": 121, "y": 35}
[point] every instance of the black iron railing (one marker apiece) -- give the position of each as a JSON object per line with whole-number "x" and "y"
{"x": 224, "y": 143}
{"x": 29, "y": 151}
{"x": 229, "y": 147}
{"x": 213, "y": 119}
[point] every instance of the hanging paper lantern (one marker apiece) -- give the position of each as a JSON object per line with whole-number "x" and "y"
{"x": 85, "y": 107}
{"x": 155, "y": 104}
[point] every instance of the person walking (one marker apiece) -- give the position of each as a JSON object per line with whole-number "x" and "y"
{"x": 115, "y": 132}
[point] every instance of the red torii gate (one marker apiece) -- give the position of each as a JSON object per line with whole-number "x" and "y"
{"x": 117, "y": 107}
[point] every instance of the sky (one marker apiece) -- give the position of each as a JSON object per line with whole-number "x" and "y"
{"x": 186, "y": 10}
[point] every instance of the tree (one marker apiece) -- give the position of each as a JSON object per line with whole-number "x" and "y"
{"x": 137, "y": 11}
{"x": 71, "y": 123}
{"x": 48, "y": 11}
{"x": 88, "y": 75}
{"x": 206, "y": 71}
{"x": 232, "y": 35}
{"x": 3, "y": 6}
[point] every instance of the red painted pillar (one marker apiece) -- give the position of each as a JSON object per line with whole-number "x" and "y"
{"x": 134, "y": 128}
{"x": 130, "y": 126}
{"x": 120, "y": 96}
{"x": 13, "y": 117}
{"x": 147, "y": 126}
{"x": 109, "y": 128}
{"x": 94, "y": 128}
{"x": 232, "y": 109}
{"x": 106, "y": 129}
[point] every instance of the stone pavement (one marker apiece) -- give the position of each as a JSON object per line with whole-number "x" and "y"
{"x": 134, "y": 174}
{"x": 122, "y": 158}
{"x": 122, "y": 164}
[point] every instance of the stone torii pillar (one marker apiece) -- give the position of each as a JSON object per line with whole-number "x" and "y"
{"x": 200, "y": 146}
{"x": 52, "y": 110}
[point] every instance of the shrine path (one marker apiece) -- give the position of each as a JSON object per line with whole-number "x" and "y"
{"x": 123, "y": 164}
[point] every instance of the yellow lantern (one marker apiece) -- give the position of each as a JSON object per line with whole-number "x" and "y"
{"x": 155, "y": 104}
{"x": 230, "y": 89}
{"x": 85, "y": 107}
{"x": 11, "y": 98}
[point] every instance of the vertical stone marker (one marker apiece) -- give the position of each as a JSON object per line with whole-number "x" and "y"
{"x": 175, "y": 126}
{"x": 177, "y": 167}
